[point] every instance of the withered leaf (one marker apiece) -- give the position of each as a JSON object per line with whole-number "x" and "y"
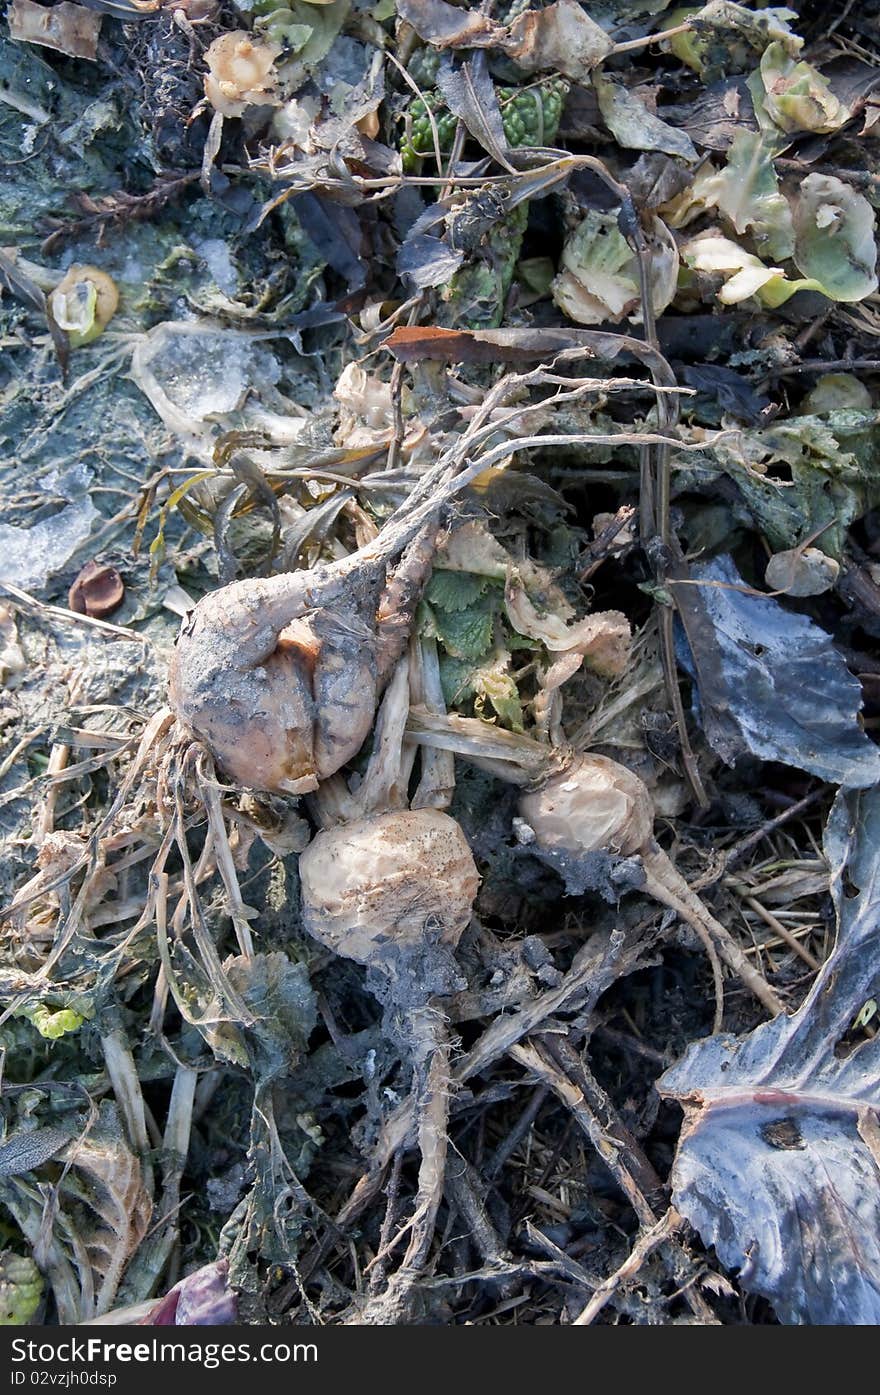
{"x": 28, "y": 1149}
{"x": 776, "y": 1166}
{"x": 65, "y": 27}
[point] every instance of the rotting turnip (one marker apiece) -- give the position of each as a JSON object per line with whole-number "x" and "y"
{"x": 279, "y": 676}
{"x": 394, "y": 891}
{"x": 593, "y": 804}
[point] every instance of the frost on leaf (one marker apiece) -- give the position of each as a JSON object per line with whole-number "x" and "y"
{"x": 778, "y": 1165}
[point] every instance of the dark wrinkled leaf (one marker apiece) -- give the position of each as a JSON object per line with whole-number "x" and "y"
{"x": 27, "y": 1150}
{"x": 337, "y": 231}
{"x": 470, "y": 95}
{"x": 601, "y": 872}
{"x": 281, "y": 1002}
{"x": 427, "y": 261}
{"x": 314, "y": 523}
{"x": 770, "y": 682}
{"x": 733, "y": 393}
{"x": 778, "y": 1166}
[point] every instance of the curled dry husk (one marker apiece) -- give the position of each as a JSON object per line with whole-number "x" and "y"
{"x": 387, "y": 884}
{"x": 241, "y": 73}
{"x": 593, "y": 805}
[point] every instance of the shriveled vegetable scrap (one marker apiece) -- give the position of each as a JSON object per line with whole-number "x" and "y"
{"x": 440, "y": 570}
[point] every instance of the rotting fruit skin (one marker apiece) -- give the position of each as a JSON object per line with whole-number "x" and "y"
{"x": 594, "y": 805}
{"x": 384, "y": 885}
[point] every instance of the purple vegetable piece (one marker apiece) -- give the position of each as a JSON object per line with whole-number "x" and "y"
{"x": 202, "y": 1299}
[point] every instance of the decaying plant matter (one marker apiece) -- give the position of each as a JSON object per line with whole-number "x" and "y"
{"x": 440, "y": 585}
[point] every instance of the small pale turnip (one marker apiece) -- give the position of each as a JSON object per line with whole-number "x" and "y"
{"x": 593, "y": 804}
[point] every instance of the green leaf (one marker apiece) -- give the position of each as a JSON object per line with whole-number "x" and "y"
{"x": 747, "y": 193}
{"x": 456, "y": 678}
{"x": 455, "y": 590}
{"x": 496, "y": 687}
{"x": 796, "y": 96}
{"x": 490, "y": 685}
{"x": 834, "y": 238}
{"x": 467, "y": 634}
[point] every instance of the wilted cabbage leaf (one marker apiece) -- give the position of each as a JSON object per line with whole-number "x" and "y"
{"x": 599, "y": 275}
{"x": 747, "y": 193}
{"x": 834, "y": 238}
{"x": 778, "y": 1165}
{"x": 832, "y": 462}
{"x": 795, "y": 95}
{"x": 726, "y": 38}
{"x": 770, "y": 682}
{"x": 743, "y": 273}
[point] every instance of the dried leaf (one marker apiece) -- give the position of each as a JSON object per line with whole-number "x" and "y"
{"x": 65, "y": 27}
{"x": 636, "y": 128}
{"x": 409, "y": 344}
{"x": 469, "y": 93}
{"x": 427, "y": 261}
{"x": 105, "y": 1208}
{"x": 447, "y": 26}
{"x": 561, "y": 38}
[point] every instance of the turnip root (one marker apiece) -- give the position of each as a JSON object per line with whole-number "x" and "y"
{"x": 280, "y": 676}
{"x": 395, "y": 892}
{"x": 377, "y": 889}
{"x": 594, "y": 804}
{"x": 599, "y": 804}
